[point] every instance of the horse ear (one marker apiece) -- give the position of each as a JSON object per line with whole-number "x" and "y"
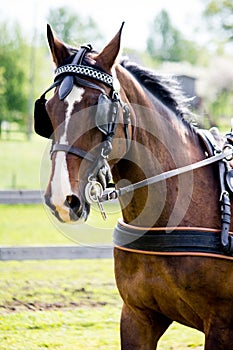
{"x": 58, "y": 49}
{"x": 107, "y": 57}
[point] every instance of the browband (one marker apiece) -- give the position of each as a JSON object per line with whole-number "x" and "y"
{"x": 86, "y": 71}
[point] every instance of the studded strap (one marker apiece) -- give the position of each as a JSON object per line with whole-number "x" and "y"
{"x": 86, "y": 71}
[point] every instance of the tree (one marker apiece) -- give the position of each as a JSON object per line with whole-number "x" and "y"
{"x": 220, "y": 16}
{"x": 13, "y": 77}
{"x": 69, "y": 26}
{"x": 166, "y": 43}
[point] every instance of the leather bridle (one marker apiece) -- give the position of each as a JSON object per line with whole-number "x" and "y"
{"x": 65, "y": 77}
{"x": 68, "y": 75}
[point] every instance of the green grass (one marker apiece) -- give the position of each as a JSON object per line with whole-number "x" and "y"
{"x": 68, "y": 305}
{"x": 20, "y": 163}
{"x": 28, "y": 225}
{"x": 59, "y": 305}
{"x": 31, "y": 225}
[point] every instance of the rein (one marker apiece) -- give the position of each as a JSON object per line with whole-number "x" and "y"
{"x": 184, "y": 240}
{"x": 225, "y": 154}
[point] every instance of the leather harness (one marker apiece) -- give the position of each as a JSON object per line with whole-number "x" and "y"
{"x": 178, "y": 240}
{"x": 187, "y": 240}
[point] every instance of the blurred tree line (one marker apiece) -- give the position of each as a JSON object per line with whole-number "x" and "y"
{"x": 26, "y": 67}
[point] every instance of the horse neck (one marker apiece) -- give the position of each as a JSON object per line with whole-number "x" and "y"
{"x": 163, "y": 141}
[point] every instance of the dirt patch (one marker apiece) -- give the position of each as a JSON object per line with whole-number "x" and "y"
{"x": 17, "y": 305}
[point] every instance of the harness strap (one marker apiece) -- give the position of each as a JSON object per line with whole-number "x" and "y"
{"x": 165, "y": 239}
{"x": 226, "y": 239}
{"x": 89, "y": 84}
{"x": 126, "y": 117}
{"x": 55, "y": 84}
{"x": 168, "y": 174}
{"x": 68, "y": 81}
{"x": 209, "y": 141}
{"x": 57, "y": 147}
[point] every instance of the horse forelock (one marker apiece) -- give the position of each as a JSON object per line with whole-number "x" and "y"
{"x": 165, "y": 88}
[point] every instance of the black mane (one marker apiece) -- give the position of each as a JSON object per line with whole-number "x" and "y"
{"x": 167, "y": 90}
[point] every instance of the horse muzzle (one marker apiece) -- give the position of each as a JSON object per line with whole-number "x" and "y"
{"x": 71, "y": 210}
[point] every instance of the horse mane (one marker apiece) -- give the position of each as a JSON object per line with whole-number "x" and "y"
{"x": 166, "y": 89}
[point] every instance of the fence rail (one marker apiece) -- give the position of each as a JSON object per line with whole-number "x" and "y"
{"x": 55, "y": 252}
{"x": 21, "y": 197}
{"x": 45, "y": 252}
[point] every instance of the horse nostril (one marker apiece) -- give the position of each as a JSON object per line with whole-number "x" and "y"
{"x": 72, "y": 201}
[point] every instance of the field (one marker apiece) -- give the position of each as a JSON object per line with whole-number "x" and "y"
{"x": 58, "y": 305}
{"x": 68, "y": 305}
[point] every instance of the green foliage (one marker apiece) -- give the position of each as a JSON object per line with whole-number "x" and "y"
{"x": 221, "y": 109}
{"x": 70, "y": 26}
{"x": 13, "y": 73}
{"x": 166, "y": 43}
{"x": 220, "y": 16}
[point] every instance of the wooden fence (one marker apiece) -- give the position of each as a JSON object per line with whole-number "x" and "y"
{"x": 46, "y": 252}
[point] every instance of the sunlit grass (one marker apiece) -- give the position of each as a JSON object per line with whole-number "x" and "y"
{"x": 20, "y": 163}
{"x": 68, "y": 305}
{"x": 28, "y": 225}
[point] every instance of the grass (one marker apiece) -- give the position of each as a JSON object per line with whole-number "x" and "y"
{"x": 31, "y": 225}
{"x": 28, "y": 225}
{"x": 21, "y": 162}
{"x": 59, "y": 305}
{"x": 68, "y": 305}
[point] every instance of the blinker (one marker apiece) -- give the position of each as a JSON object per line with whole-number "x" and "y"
{"x": 103, "y": 114}
{"x": 42, "y": 122}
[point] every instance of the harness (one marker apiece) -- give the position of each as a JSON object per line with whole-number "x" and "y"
{"x": 177, "y": 240}
{"x": 185, "y": 240}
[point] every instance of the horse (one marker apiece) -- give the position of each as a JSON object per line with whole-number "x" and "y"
{"x": 113, "y": 119}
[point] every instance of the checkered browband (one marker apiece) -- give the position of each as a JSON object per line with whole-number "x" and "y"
{"x": 85, "y": 71}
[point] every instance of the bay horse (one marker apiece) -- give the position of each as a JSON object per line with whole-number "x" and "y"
{"x": 121, "y": 120}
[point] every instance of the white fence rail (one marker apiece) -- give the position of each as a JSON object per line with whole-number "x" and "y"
{"x": 21, "y": 197}
{"x": 45, "y": 252}
{"x": 55, "y": 252}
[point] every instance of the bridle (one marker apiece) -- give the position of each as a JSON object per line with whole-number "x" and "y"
{"x": 106, "y": 118}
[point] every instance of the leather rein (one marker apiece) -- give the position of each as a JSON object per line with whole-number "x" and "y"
{"x": 184, "y": 240}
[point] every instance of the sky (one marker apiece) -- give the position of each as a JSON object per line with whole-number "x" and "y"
{"x": 138, "y": 15}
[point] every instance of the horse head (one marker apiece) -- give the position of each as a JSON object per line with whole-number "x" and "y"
{"x": 87, "y": 120}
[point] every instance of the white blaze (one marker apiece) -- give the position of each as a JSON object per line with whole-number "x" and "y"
{"x": 60, "y": 183}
